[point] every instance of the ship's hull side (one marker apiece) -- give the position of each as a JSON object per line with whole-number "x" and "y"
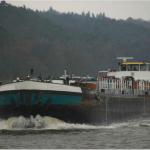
{"x": 120, "y": 108}
{"x": 31, "y": 102}
{"x": 72, "y": 107}
{"x": 33, "y": 97}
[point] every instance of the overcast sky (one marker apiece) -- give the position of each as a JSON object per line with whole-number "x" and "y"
{"x": 120, "y": 9}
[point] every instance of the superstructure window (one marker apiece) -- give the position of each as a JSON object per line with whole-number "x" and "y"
{"x": 133, "y": 67}
{"x": 123, "y": 67}
{"x": 143, "y": 67}
{"x": 148, "y": 67}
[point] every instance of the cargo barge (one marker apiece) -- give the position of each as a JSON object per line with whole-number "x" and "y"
{"x": 116, "y": 95}
{"x": 56, "y": 98}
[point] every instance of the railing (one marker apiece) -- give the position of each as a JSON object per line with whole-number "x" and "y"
{"x": 116, "y": 86}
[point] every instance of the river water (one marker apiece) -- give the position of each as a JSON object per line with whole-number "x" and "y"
{"x": 48, "y": 132}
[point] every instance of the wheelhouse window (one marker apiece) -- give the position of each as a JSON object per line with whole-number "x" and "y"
{"x": 148, "y": 67}
{"x": 143, "y": 67}
{"x": 132, "y": 67}
{"x": 123, "y": 67}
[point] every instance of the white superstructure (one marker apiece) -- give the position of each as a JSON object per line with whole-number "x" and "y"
{"x": 137, "y": 70}
{"x": 132, "y": 78}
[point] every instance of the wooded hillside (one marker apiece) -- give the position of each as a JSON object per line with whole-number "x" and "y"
{"x": 51, "y": 41}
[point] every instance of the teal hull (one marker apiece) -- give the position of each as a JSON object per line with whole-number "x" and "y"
{"x": 41, "y": 98}
{"x": 62, "y": 105}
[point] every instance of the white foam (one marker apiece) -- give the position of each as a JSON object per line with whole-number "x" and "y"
{"x": 43, "y": 123}
{"x": 21, "y": 122}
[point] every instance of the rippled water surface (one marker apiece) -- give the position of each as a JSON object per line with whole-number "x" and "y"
{"x": 47, "y": 132}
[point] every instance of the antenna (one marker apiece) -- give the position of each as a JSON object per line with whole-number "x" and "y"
{"x": 124, "y": 59}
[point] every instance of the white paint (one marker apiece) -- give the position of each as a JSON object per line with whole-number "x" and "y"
{"x": 32, "y": 85}
{"x": 138, "y": 75}
{"x": 57, "y": 81}
{"x": 62, "y": 82}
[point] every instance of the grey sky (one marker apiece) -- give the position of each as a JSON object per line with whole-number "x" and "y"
{"x": 112, "y": 8}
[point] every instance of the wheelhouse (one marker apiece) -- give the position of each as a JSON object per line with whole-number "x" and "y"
{"x": 134, "y": 66}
